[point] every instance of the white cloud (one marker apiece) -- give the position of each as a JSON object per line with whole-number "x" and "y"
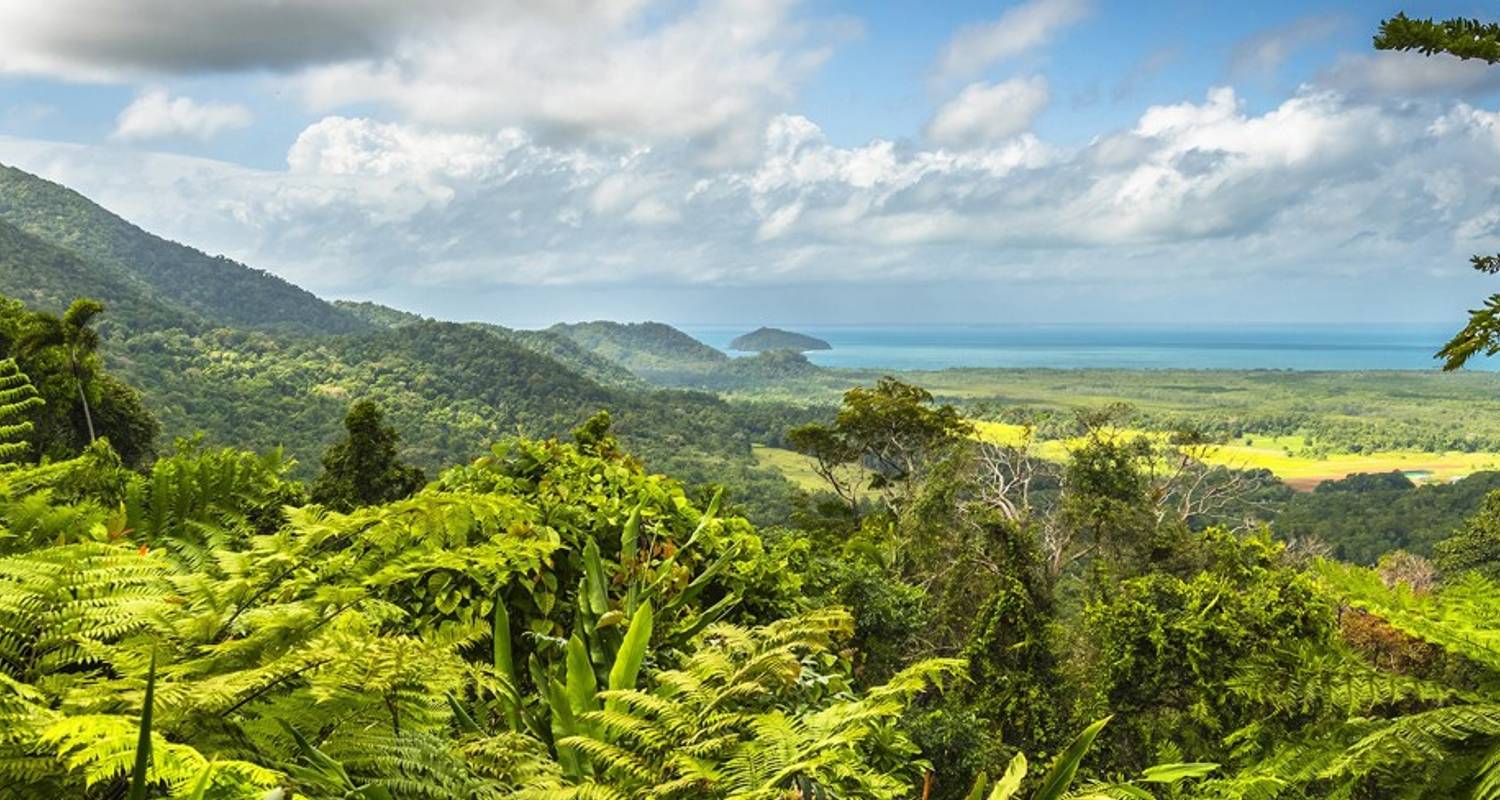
{"x": 709, "y": 74}
{"x": 155, "y": 114}
{"x": 706, "y": 71}
{"x": 1388, "y": 73}
{"x": 1319, "y": 186}
{"x": 1021, "y": 28}
{"x": 985, "y": 113}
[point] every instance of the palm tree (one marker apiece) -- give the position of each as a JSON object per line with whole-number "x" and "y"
{"x": 77, "y": 342}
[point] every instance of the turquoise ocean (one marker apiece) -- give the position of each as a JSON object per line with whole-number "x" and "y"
{"x": 1294, "y": 347}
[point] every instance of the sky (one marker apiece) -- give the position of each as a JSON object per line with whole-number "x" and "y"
{"x": 776, "y": 161}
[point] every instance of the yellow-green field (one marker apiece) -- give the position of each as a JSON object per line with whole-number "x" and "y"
{"x": 1282, "y": 455}
{"x": 794, "y": 466}
{"x": 1304, "y": 472}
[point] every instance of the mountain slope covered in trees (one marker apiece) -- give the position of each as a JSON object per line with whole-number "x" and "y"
{"x": 246, "y": 358}
{"x": 214, "y": 287}
{"x": 652, "y": 350}
{"x": 547, "y": 343}
{"x": 48, "y": 277}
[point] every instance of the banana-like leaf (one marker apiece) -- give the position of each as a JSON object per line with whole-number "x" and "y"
{"x": 563, "y": 725}
{"x": 630, "y": 536}
{"x": 1172, "y": 773}
{"x": 1060, "y": 777}
{"x": 143, "y": 743}
{"x": 583, "y": 685}
{"x": 627, "y": 666}
{"x": 1010, "y": 782}
{"x": 976, "y": 792}
{"x": 595, "y": 579}
{"x": 505, "y": 664}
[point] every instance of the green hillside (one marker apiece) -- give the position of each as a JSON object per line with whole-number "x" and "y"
{"x": 214, "y": 287}
{"x": 546, "y": 343}
{"x": 452, "y": 389}
{"x": 651, "y": 350}
{"x": 243, "y": 357}
{"x": 48, "y": 277}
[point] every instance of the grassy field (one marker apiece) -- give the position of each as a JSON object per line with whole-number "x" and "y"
{"x": 1411, "y": 403}
{"x": 1287, "y": 457}
{"x": 796, "y": 467}
{"x": 1305, "y": 427}
{"x": 1305, "y": 472}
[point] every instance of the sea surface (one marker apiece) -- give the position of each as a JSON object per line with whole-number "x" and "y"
{"x": 1297, "y": 347}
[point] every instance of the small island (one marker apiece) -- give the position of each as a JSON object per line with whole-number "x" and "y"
{"x": 765, "y": 339}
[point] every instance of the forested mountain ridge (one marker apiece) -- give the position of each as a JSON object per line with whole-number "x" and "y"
{"x": 214, "y": 287}
{"x": 48, "y": 277}
{"x": 286, "y": 379}
{"x": 651, "y": 350}
{"x": 451, "y": 388}
{"x": 546, "y": 343}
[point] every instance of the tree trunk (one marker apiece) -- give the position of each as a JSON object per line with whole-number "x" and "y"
{"x": 88, "y": 418}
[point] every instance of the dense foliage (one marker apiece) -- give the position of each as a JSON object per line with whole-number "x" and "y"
{"x": 80, "y": 400}
{"x": 363, "y": 468}
{"x": 1360, "y": 518}
{"x": 554, "y": 620}
{"x": 551, "y": 621}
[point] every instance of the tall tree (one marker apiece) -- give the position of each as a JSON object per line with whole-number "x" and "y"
{"x": 78, "y": 344}
{"x": 363, "y": 469}
{"x": 1465, "y": 39}
{"x": 891, "y": 430}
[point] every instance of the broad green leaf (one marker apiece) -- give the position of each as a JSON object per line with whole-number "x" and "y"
{"x": 627, "y": 666}
{"x": 583, "y": 686}
{"x": 630, "y": 536}
{"x": 976, "y": 792}
{"x": 1010, "y": 782}
{"x": 595, "y": 579}
{"x": 1060, "y": 777}
{"x": 1172, "y": 773}
{"x": 505, "y": 664}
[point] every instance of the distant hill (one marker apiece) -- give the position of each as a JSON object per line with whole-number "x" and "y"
{"x": 569, "y": 353}
{"x": 48, "y": 278}
{"x": 652, "y": 350}
{"x": 771, "y": 368}
{"x": 451, "y": 389}
{"x": 762, "y": 339}
{"x": 546, "y": 343}
{"x": 215, "y": 288}
{"x": 251, "y": 360}
{"x": 667, "y": 357}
